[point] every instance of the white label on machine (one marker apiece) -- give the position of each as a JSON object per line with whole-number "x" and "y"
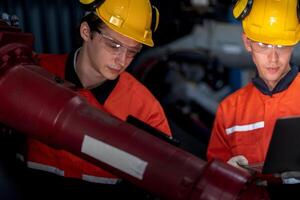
{"x": 114, "y": 157}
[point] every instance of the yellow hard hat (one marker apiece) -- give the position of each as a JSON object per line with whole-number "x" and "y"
{"x": 135, "y": 19}
{"x": 269, "y": 21}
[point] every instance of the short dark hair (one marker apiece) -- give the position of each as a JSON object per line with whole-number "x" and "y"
{"x": 94, "y": 23}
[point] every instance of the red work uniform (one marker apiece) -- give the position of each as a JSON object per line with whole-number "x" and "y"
{"x": 245, "y": 119}
{"x": 121, "y": 97}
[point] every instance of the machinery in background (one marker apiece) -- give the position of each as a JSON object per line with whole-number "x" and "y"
{"x": 221, "y": 40}
{"x": 29, "y": 105}
{"x": 189, "y": 84}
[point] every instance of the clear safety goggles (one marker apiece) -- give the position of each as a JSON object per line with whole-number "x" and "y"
{"x": 115, "y": 47}
{"x": 260, "y": 47}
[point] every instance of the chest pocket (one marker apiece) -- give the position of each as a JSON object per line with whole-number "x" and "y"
{"x": 245, "y": 139}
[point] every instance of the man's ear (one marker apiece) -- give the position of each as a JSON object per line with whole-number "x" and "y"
{"x": 85, "y": 31}
{"x": 246, "y": 42}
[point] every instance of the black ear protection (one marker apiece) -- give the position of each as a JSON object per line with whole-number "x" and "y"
{"x": 155, "y": 19}
{"x": 298, "y": 10}
{"x": 243, "y": 7}
{"x": 90, "y": 5}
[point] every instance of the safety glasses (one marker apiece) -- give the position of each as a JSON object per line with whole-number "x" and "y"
{"x": 260, "y": 47}
{"x": 115, "y": 47}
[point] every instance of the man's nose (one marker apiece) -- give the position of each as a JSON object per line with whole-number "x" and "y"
{"x": 121, "y": 56}
{"x": 273, "y": 54}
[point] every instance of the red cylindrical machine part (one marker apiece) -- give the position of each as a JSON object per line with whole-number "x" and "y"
{"x": 41, "y": 106}
{"x": 33, "y": 103}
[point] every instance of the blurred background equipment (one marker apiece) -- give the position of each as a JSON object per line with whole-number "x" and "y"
{"x": 189, "y": 85}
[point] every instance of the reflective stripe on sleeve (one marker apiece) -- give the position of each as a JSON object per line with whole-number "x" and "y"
{"x": 43, "y": 167}
{"x": 247, "y": 127}
{"x": 103, "y": 180}
{"x": 89, "y": 178}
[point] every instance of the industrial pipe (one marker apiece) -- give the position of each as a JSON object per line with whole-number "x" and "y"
{"x": 45, "y": 107}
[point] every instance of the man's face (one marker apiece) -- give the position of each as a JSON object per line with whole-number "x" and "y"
{"x": 272, "y": 61}
{"x": 110, "y": 53}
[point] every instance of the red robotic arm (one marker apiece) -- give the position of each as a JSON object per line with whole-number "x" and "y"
{"x": 30, "y": 104}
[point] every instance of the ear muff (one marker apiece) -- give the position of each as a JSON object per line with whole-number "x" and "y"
{"x": 90, "y": 5}
{"x": 298, "y": 10}
{"x": 155, "y": 18}
{"x": 242, "y": 8}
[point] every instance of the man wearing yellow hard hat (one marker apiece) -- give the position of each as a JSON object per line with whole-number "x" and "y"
{"x": 245, "y": 119}
{"x": 112, "y": 33}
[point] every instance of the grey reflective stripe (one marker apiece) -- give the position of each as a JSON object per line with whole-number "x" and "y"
{"x": 47, "y": 168}
{"x": 246, "y": 127}
{"x": 290, "y": 181}
{"x": 55, "y": 170}
{"x": 103, "y": 180}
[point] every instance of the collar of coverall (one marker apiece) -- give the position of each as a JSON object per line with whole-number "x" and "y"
{"x": 101, "y": 92}
{"x": 282, "y": 84}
